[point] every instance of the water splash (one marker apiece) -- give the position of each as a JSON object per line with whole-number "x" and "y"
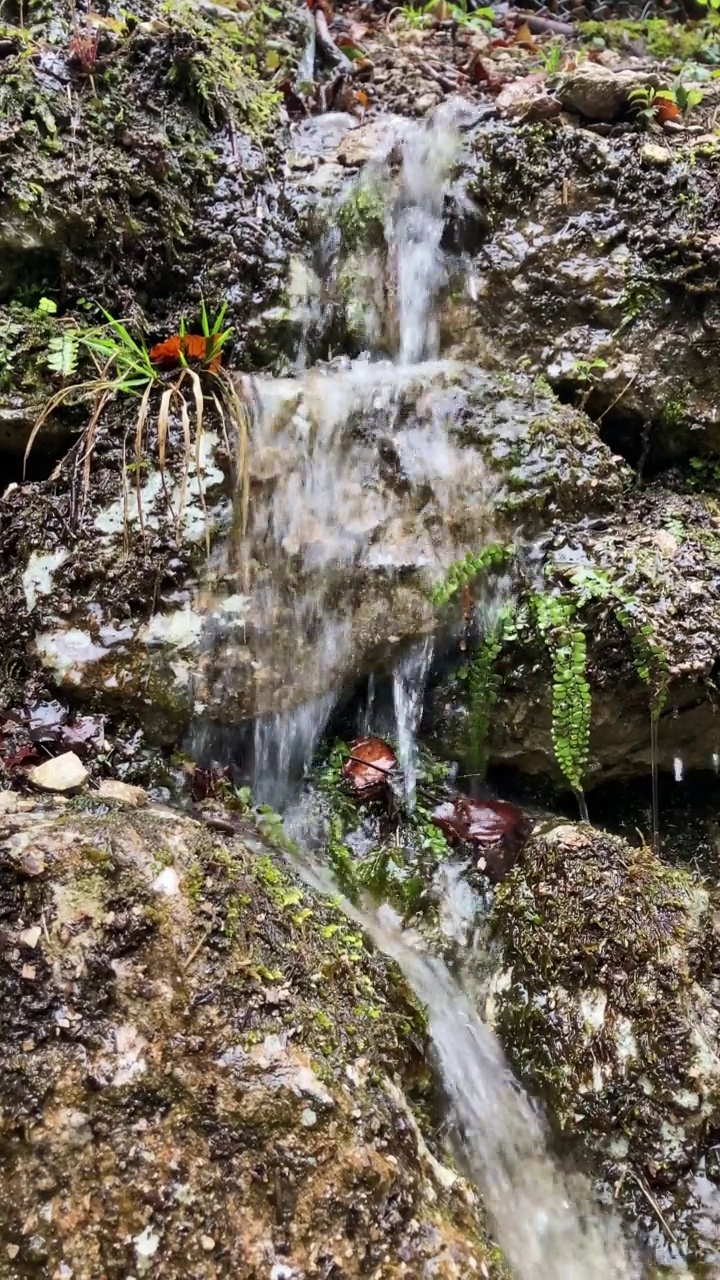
{"x": 409, "y": 678}
{"x": 678, "y": 768}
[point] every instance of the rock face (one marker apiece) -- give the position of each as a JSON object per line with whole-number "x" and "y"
{"x": 602, "y": 278}
{"x": 202, "y": 1082}
{"x": 607, "y": 999}
{"x": 654, "y": 564}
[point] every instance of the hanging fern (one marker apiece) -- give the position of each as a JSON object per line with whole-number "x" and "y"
{"x": 571, "y": 698}
{"x": 464, "y": 571}
{"x": 649, "y": 658}
{"x": 483, "y": 683}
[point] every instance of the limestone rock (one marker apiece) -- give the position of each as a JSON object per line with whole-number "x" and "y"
{"x": 122, "y": 793}
{"x": 604, "y": 997}
{"x": 597, "y": 92}
{"x": 63, "y": 773}
{"x": 173, "y": 1060}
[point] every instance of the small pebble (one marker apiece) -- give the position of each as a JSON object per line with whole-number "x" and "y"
{"x": 308, "y": 1118}
{"x": 207, "y": 1243}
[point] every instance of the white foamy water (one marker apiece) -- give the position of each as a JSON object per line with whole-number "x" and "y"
{"x": 409, "y": 679}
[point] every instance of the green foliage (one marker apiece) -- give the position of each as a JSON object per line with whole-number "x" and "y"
{"x": 62, "y": 354}
{"x": 649, "y": 657}
{"x": 664, "y": 39}
{"x": 554, "y": 616}
{"x": 440, "y": 10}
{"x": 361, "y": 214}
{"x": 551, "y": 57}
{"x": 213, "y": 71}
{"x": 585, "y": 370}
{"x": 571, "y": 699}
{"x": 704, "y": 474}
{"x": 482, "y": 682}
{"x": 465, "y": 571}
{"x": 120, "y": 357}
{"x": 9, "y": 331}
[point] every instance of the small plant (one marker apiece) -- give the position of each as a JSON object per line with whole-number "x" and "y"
{"x": 659, "y": 105}
{"x": 123, "y": 365}
{"x": 551, "y": 57}
{"x": 464, "y": 571}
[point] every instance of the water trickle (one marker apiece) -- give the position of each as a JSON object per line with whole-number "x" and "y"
{"x": 409, "y": 678}
{"x": 654, "y": 725}
{"x": 678, "y": 768}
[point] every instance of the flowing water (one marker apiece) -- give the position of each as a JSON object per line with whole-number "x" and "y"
{"x": 362, "y": 492}
{"x": 409, "y": 679}
{"x": 545, "y": 1221}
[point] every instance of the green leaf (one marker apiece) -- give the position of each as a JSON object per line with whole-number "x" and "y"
{"x": 47, "y": 306}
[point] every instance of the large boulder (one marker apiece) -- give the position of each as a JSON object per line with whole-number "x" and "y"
{"x": 204, "y": 1066}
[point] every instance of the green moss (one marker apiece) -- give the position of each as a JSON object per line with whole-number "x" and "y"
{"x": 681, "y": 42}
{"x": 361, "y": 215}
{"x": 604, "y": 943}
{"x": 214, "y": 68}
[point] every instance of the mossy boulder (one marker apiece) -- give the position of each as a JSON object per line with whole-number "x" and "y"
{"x": 229, "y": 1051}
{"x": 605, "y": 999}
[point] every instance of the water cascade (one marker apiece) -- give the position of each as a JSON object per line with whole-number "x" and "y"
{"x": 357, "y": 475}
{"x": 545, "y": 1220}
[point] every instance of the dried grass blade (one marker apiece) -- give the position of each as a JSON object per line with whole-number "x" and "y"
{"x": 187, "y": 452}
{"x": 199, "y": 410}
{"x": 163, "y": 424}
{"x": 139, "y": 433}
{"x": 48, "y": 410}
{"x": 89, "y": 440}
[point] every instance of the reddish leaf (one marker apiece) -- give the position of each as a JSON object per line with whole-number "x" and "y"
{"x": 193, "y": 346}
{"x": 367, "y": 770}
{"x": 666, "y": 110}
{"x": 495, "y": 830}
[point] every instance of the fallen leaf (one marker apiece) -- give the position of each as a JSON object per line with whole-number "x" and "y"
{"x": 666, "y": 110}
{"x": 524, "y": 36}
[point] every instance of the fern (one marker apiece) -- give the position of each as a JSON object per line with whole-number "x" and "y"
{"x": 464, "y": 571}
{"x": 63, "y": 351}
{"x": 571, "y": 698}
{"x": 483, "y": 683}
{"x": 649, "y": 658}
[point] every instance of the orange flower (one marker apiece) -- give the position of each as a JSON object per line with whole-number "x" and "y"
{"x": 193, "y": 346}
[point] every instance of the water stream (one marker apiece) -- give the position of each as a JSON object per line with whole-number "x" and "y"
{"x": 545, "y": 1220}
{"x": 357, "y": 479}
{"x": 409, "y": 679}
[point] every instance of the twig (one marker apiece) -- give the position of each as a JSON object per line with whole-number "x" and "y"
{"x": 328, "y": 47}
{"x": 619, "y": 397}
{"x": 655, "y": 1206}
{"x": 197, "y": 948}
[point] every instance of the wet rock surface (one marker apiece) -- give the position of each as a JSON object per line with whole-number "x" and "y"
{"x": 660, "y": 550}
{"x": 607, "y": 1000}
{"x": 199, "y": 1074}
